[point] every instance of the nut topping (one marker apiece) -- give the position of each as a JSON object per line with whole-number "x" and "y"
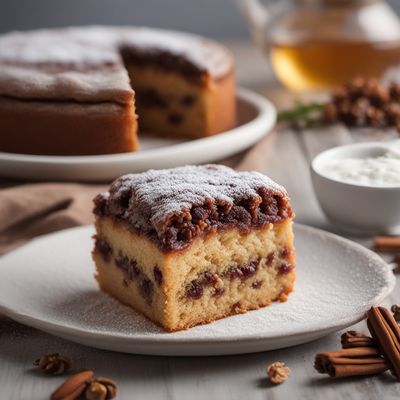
{"x": 54, "y": 364}
{"x": 278, "y": 372}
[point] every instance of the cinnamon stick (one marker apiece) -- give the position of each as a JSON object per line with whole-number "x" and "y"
{"x": 387, "y": 243}
{"x": 354, "y": 352}
{"x": 351, "y": 339}
{"x": 358, "y": 361}
{"x": 343, "y": 371}
{"x": 386, "y": 332}
{"x": 351, "y": 362}
{"x": 363, "y": 355}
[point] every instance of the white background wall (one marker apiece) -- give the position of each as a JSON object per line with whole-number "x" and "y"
{"x": 216, "y": 18}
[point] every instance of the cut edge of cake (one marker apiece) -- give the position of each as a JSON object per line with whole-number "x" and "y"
{"x": 168, "y": 288}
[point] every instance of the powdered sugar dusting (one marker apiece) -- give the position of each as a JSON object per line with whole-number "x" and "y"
{"x": 101, "y": 84}
{"x": 204, "y": 53}
{"x": 88, "y": 46}
{"x": 39, "y": 64}
{"x": 61, "y": 46}
{"x": 153, "y": 196}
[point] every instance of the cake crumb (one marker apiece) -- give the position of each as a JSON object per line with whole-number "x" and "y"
{"x": 278, "y": 372}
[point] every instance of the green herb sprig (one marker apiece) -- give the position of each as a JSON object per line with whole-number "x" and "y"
{"x": 303, "y": 115}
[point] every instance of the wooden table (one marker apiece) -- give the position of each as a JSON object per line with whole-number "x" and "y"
{"x": 285, "y": 156}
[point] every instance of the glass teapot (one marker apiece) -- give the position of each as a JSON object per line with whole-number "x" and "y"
{"x": 320, "y": 43}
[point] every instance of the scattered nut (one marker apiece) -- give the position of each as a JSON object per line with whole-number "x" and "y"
{"x": 101, "y": 389}
{"x": 79, "y": 384}
{"x": 395, "y": 309}
{"x": 95, "y": 391}
{"x": 278, "y": 372}
{"x": 54, "y": 364}
{"x": 73, "y": 387}
{"x": 110, "y": 386}
{"x": 365, "y": 102}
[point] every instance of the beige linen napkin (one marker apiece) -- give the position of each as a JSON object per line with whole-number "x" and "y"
{"x": 30, "y": 210}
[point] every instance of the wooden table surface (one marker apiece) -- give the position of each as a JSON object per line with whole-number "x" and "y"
{"x": 285, "y": 156}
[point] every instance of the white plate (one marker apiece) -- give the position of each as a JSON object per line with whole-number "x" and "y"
{"x": 49, "y": 284}
{"x": 256, "y": 117}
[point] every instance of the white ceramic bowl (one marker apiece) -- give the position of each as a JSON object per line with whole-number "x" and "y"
{"x": 356, "y": 208}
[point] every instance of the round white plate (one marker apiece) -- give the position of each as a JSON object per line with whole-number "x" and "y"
{"x": 49, "y": 285}
{"x": 256, "y": 117}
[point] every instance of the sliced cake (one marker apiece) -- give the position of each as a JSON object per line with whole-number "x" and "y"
{"x": 190, "y": 245}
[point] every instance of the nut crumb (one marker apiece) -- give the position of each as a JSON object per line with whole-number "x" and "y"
{"x": 278, "y": 372}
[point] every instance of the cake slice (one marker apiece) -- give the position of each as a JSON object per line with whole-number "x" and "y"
{"x": 190, "y": 245}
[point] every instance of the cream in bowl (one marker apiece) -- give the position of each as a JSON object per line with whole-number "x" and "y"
{"x": 358, "y": 186}
{"x": 382, "y": 170}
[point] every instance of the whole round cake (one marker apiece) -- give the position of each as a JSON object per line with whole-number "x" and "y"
{"x": 80, "y": 91}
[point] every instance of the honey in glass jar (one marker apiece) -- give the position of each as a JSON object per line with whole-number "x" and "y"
{"x": 321, "y": 43}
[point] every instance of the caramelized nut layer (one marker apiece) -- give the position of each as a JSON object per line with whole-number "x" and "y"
{"x": 172, "y": 207}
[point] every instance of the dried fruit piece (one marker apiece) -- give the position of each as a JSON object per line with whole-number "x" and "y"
{"x": 54, "y": 364}
{"x": 278, "y": 372}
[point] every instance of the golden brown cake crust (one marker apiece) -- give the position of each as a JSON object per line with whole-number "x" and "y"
{"x": 67, "y": 128}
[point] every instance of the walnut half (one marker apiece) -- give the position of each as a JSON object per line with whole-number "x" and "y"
{"x": 278, "y": 372}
